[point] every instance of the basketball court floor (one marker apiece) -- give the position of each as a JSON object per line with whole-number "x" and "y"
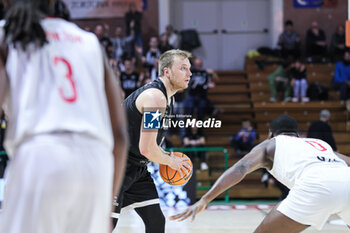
{"x": 219, "y": 219}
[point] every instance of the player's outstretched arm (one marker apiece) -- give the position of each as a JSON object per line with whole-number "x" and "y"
{"x": 155, "y": 99}
{"x": 254, "y": 160}
{"x": 119, "y": 125}
{"x": 344, "y": 157}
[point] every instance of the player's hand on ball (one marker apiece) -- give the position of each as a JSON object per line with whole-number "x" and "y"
{"x": 180, "y": 164}
{"x": 191, "y": 211}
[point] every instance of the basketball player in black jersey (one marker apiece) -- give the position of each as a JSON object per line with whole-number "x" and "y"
{"x": 138, "y": 190}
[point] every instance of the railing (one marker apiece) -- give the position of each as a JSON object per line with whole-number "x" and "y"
{"x": 175, "y": 149}
{"x": 190, "y": 149}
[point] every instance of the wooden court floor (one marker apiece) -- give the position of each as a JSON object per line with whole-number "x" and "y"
{"x": 215, "y": 221}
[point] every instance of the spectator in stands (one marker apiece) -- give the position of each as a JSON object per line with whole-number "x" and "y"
{"x": 322, "y": 130}
{"x": 153, "y": 74}
{"x": 197, "y": 98}
{"x": 133, "y": 24}
{"x": 341, "y": 81}
{"x": 101, "y": 36}
{"x": 173, "y": 38}
{"x": 110, "y": 52}
{"x": 195, "y": 138}
{"x": 138, "y": 60}
{"x": 179, "y": 111}
{"x": 316, "y": 46}
{"x": 245, "y": 138}
{"x": 299, "y": 83}
{"x": 164, "y": 43}
{"x": 99, "y": 31}
{"x": 337, "y": 45}
{"x": 106, "y": 29}
{"x": 152, "y": 54}
{"x": 120, "y": 42}
{"x": 289, "y": 41}
{"x": 280, "y": 80}
{"x": 129, "y": 79}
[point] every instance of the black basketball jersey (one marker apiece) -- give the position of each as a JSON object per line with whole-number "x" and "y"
{"x": 199, "y": 82}
{"x": 135, "y": 120}
{"x": 129, "y": 82}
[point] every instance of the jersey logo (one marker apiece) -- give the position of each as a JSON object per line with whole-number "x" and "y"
{"x": 316, "y": 145}
{"x": 151, "y": 119}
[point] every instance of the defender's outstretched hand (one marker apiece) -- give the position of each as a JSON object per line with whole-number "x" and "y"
{"x": 190, "y": 211}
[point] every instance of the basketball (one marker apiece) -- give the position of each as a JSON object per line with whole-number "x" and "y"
{"x": 171, "y": 176}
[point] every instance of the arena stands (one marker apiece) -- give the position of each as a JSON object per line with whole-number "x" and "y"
{"x": 245, "y": 95}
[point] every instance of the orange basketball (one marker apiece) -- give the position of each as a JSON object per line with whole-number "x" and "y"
{"x": 172, "y": 176}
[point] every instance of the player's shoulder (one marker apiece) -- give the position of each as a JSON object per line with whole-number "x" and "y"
{"x": 69, "y": 27}
{"x": 269, "y": 148}
{"x": 153, "y": 96}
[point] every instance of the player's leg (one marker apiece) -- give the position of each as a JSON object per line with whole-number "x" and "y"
{"x": 93, "y": 179}
{"x": 131, "y": 174}
{"x": 117, "y": 203}
{"x": 38, "y": 189}
{"x": 143, "y": 197}
{"x": 310, "y": 202}
{"x": 296, "y": 89}
{"x": 273, "y": 86}
{"x": 345, "y": 213}
{"x": 153, "y": 218}
{"x": 276, "y": 222}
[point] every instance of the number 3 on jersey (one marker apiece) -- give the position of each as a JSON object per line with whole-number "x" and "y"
{"x": 69, "y": 76}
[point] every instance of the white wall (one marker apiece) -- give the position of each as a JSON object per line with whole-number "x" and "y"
{"x": 173, "y": 12}
{"x": 164, "y": 14}
{"x": 276, "y": 21}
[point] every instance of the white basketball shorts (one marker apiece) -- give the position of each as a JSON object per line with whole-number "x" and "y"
{"x": 319, "y": 193}
{"x": 57, "y": 184}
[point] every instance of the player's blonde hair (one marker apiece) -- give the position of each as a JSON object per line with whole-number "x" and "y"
{"x": 167, "y": 59}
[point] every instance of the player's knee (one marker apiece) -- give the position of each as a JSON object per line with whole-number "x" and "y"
{"x": 158, "y": 226}
{"x": 114, "y": 222}
{"x": 156, "y": 222}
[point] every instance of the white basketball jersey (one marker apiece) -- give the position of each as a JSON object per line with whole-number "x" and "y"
{"x": 59, "y": 87}
{"x": 294, "y": 155}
